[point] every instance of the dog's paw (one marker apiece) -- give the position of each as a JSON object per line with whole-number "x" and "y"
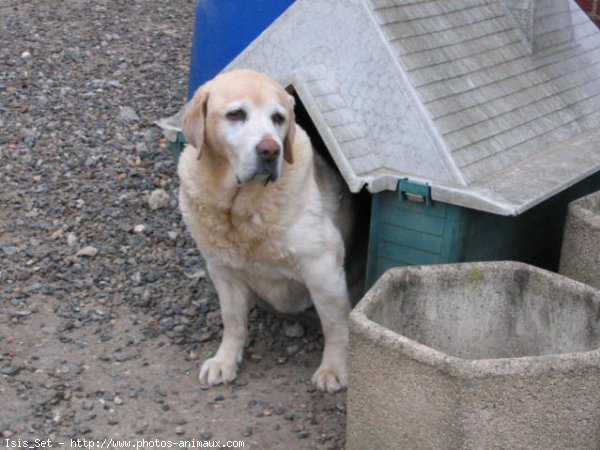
{"x": 330, "y": 378}
{"x": 218, "y": 371}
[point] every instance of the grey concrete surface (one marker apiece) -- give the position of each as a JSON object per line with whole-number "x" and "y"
{"x": 580, "y": 253}
{"x": 473, "y": 356}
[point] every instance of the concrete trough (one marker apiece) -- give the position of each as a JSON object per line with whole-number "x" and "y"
{"x": 580, "y": 254}
{"x": 472, "y": 356}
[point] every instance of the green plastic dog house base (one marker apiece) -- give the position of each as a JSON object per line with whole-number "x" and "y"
{"x": 405, "y": 232}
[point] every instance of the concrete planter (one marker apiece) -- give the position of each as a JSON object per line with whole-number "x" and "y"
{"x": 580, "y": 255}
{"x": 475, "y": 356}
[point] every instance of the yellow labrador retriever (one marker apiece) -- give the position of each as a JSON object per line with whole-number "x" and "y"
{"x": 269, "y": 216}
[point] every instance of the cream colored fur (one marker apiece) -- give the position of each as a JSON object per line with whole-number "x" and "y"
{"x": 282, "y": 241}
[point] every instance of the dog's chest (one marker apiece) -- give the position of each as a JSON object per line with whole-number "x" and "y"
{"x": 239, "y": 237}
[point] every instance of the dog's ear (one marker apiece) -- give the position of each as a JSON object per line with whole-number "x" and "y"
{"x": 288, "y": 141}
{"x": 194, "y": 120}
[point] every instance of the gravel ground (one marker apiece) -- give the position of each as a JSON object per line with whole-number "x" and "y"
{"x": 105, "y": 310}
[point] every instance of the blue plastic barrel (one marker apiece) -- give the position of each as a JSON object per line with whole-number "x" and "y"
{"x": 223, "y": 28}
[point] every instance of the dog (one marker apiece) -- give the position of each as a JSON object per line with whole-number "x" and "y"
{"x": 269, "y": 215}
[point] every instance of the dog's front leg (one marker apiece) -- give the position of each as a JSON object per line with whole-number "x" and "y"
{"x": 326, "y": 282}
{"x": 235, "y": 300}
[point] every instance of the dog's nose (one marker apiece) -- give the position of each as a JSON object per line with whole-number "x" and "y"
{"x": 268, "y": 150}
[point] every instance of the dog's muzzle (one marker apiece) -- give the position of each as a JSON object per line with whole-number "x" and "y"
{"x": 268, "y": 152}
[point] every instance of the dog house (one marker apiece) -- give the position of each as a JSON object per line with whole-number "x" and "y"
{"x": 472, "y": 124}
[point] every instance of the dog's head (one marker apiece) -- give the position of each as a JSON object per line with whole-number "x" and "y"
{"x": 245, "y": 118}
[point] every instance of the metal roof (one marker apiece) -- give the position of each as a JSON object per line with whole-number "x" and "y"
{"x": 495, "y": 103}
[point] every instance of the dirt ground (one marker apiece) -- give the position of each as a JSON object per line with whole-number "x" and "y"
{"x": 105, "y": 309}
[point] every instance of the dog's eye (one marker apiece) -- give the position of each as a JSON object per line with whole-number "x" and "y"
{"x": 278, "y": 118}
{"x": 237, "y": 115}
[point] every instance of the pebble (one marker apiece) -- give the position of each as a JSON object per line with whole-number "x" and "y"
{"x": 247, "y": 431}
{"x": 205, "y": 337}
{"x": 166, "y": 322}
{"x": 179, "y": 430}
{"x": 128, "y": 114}
{"x": 71, "y": 239}
{"x": 11, "y": 370}
{"x": 88, "y": 252}
{"x": 292, "y": 349}
{"x": 198, "y": 275}
{"x": 302, "y": 434}
{"x": 158, "y": 199}
{"x": 141, "y": 426}
{"x": 294, "y": 330}
{"x": 10, "y": 250}
{"x": 87, "y": 405}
